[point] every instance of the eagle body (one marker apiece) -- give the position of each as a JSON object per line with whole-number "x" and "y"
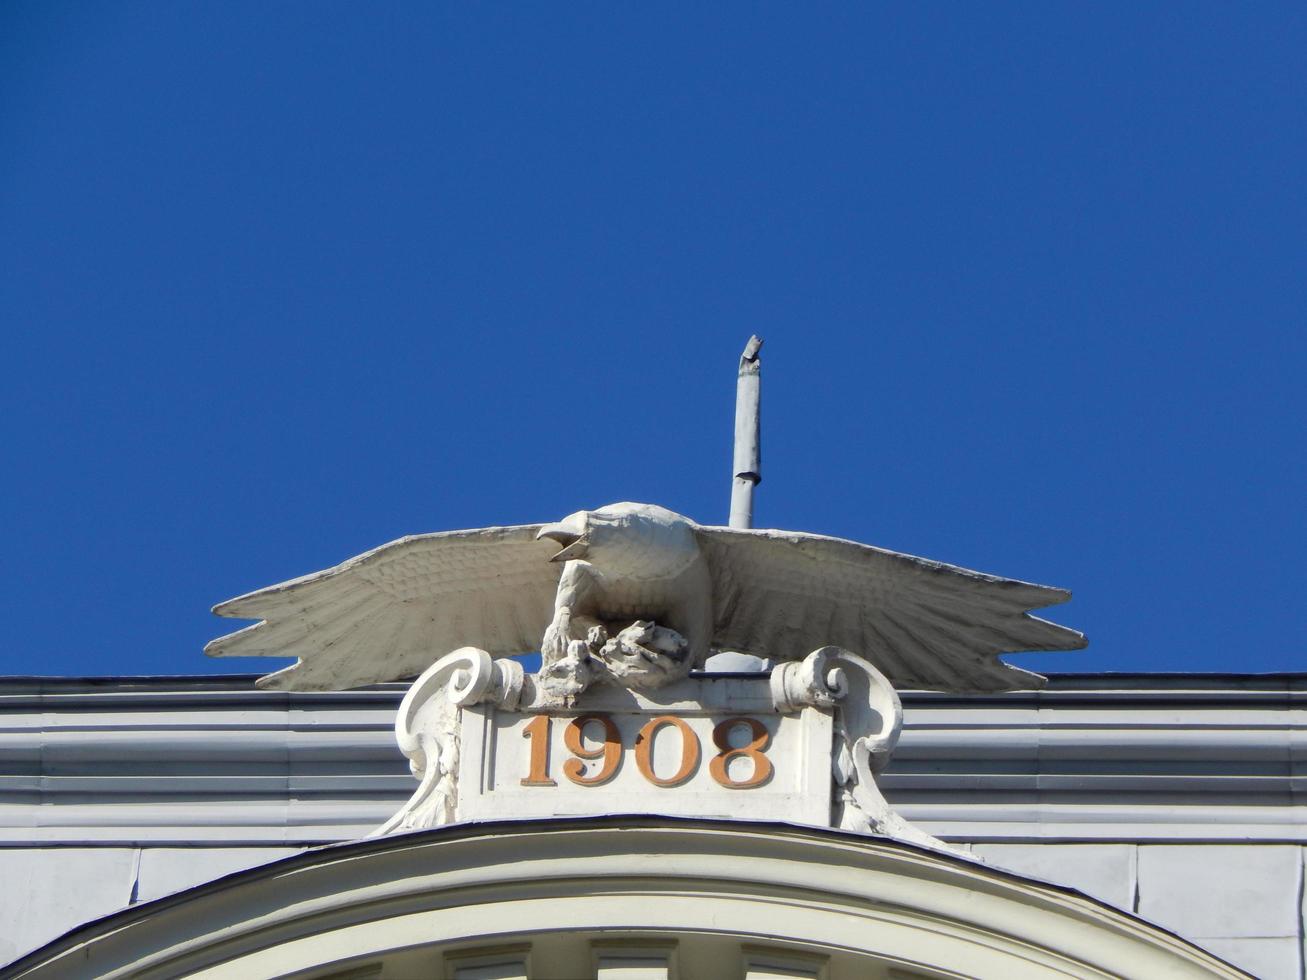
{"x": 641, "y": 562}
{"x": 389, "y": 613}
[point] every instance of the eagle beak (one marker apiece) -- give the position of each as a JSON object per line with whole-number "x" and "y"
{"x": 574, "y": 544}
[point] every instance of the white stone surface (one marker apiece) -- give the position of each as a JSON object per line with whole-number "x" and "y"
{"x": 1266, "y": 959}
{"x": 1222, "y": 891}
{"x": 1102, "y": 871}
{"x": 165, "y": 870}
{"x": 46, "y": 891}
{"x": 391, "y": 612}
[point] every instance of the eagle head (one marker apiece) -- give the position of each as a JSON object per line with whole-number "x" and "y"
{"x": 631, "y": 540}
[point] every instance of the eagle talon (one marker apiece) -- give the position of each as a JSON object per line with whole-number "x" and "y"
{"x": 571, "y": 674}
{"x": 558, "y": 637}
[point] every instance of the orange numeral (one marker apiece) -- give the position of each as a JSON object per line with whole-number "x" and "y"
{"x": 538, "y": 732}
{"x": 644, "y": 751}
{"x": 610, "y": 751}
{"x": 719, "y": 767}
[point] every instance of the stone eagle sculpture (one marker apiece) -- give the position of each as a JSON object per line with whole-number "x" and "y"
{"x": 643, "y": 595}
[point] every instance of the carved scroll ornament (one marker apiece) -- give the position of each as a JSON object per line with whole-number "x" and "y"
{"x": 426, "y": 729}
{"x": 864, "y": 712}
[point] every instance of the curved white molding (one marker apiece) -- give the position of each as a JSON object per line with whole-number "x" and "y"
{"x": 824, "y": 891}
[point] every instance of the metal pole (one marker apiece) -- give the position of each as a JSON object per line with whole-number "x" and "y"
{"x": 748, "y": 439}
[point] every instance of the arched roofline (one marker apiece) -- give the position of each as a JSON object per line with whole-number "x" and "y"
{"x": 503, "y": 881}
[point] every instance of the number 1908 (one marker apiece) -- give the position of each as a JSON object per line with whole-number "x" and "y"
{"x": 610, "y": 752}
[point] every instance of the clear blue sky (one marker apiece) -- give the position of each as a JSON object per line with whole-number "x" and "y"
{"x": 281, "y": 282}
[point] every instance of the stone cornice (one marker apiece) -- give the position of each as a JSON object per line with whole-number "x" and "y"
{"x": 211, "y": 760}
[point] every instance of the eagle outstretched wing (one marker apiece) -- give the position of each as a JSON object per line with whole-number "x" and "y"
{"x": 923, "y": 623}
{"x": 379, "y": 616}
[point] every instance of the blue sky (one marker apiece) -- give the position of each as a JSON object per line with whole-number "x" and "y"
{"x": 281, "y": 282}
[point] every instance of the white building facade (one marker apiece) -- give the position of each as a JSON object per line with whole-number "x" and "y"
{"x": 1138, "y": 825}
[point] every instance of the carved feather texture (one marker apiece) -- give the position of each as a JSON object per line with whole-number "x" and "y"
{"x": 925, "y": 624}
{"x": 389, "y": 612}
